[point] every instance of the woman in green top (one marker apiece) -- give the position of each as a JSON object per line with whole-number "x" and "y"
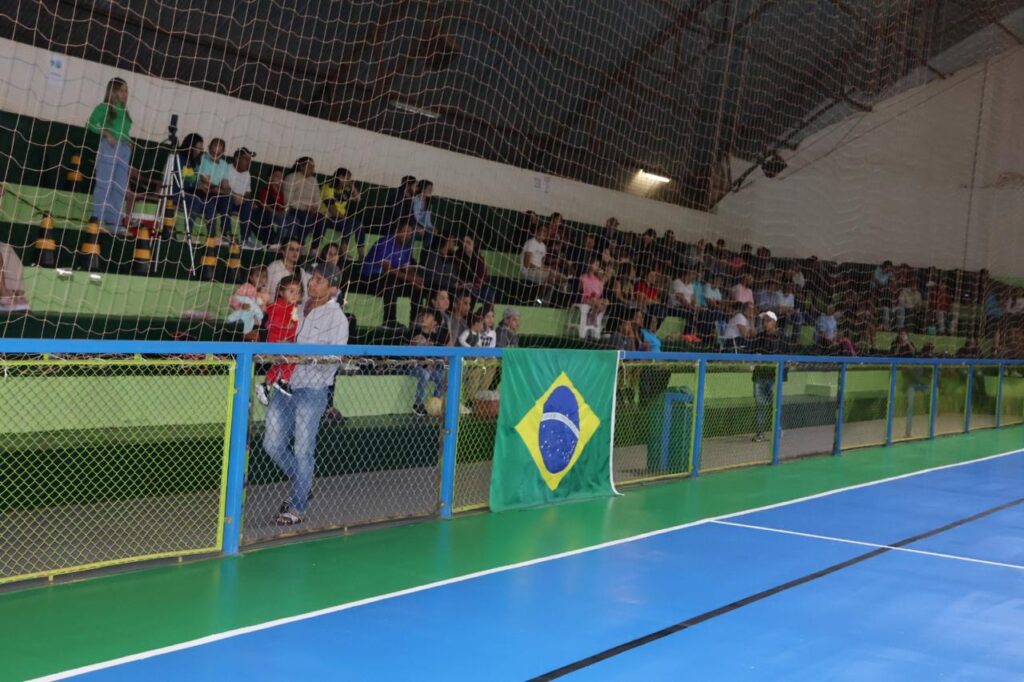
{"x": 114, "y": 124}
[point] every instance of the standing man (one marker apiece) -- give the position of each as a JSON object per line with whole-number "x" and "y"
{"x": 298, "y": 416}
{"x": 766, "y": 341}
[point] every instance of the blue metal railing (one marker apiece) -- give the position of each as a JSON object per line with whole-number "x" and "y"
{"x": 245, "y": 357}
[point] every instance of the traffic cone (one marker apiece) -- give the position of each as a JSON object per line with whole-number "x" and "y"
{"x": 143, "y": 253}
{"x": 46, "y": 246}
{"x": 90, "y": 257}
{"x": 74, "y": 176}
{"x": 170, "y": 217}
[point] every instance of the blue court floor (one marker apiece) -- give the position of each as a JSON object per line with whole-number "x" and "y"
{"x": 917, "y": 578}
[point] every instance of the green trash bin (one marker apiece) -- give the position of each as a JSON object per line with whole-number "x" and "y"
{"x": 669, "y": 442}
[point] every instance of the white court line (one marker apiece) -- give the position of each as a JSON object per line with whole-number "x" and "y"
{"x": 847, "y": 541}
{"x": 228, "y": 634}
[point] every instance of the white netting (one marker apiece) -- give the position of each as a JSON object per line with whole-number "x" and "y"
{"x": 858, "y": 132}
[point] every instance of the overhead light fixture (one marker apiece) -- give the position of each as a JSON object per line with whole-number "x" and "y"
{"x": 410, "y": 109}
{"x": 651, "y": 177}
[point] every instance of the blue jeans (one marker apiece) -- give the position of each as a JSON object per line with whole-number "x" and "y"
{"x": 438, "y": 374}
{"x": 290, "y": 438}
{"x": 264, "y": 222}
{"x": 300, "y": 224}
{"x": 763, "y": 398}
{"x": 111, "y": 183}
{"x": 344, "y": 228}
{"x": 209, "y": 206}
{"x": 229, "y": 208}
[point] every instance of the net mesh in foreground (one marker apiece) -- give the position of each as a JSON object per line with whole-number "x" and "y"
{"x": 107, "y": 461}
{"x": 375, "y": 459}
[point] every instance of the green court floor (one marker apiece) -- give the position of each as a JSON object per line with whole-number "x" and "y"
{"x": 54, "y": 628}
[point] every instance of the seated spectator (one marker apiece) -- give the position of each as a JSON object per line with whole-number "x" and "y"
{"x": 644, "y": 251}
{"x": 249, "y": 302}
{"x": 268, "y": 214}
{"x": 390, "y": 270}
{"x": 740, "y": 328}
{"x": 238, "y": 201}
{"x": 440, "y": 303}
{"x": 902, "y": 346}
{"x": 12, "y": 287}
{"x": 827, "y": 328}
{"x": 742, "y": 294}
{"x": 970, "y": 349}
{"x": 475, "y": 335}
{"x": 790, "y": 318}
{"x": 421, "y": 211}
{"x": 190, "y": 156}
{"x": 286, "y": 266}
{"x": 682, "y": 300}
{"x": 909, "y": 304}
{"x": 581, "y": 254}
{"x": 939, "y": 306}
{"x": 648, "y": 326}
{"x": 882, "y": 275}
{"x": 764, "y": 296}
{"x": 212, "y": 192}
{"x": 623, "y": 300}
{"x": 441, "y": 266}
{"x": 507, "y": 335}
{"x": 399, "y": 205}
{"x": 461, "y": 310}
{"x": 478, "y": 373}
{"x": 533, "y": 264}
{"x": 625, "y": 338}
{"x": 302, "y": 196}
{"x": 649, "y": 293}
{"x": 592, "y": 293}
{"x": 715, "y": 309}
{"x": 473, "y": 270}
{"x": 427, "y": 333}
{"x": 339, "y": 202}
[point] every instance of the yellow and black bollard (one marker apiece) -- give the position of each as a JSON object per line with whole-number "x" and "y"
{"x": 234, "y": 272}
{"x": 74, "y": 176}
{"x": 90, "y": 257}
{"x": 170, "y": 217}
{"x": 208, "y": 264}
{"x": 46, "y": 246}
{"x": 142, "y": 256}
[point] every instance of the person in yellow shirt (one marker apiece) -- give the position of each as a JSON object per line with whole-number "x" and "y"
{"x": 113, "y": 123}
{"x": 339, "y": 198}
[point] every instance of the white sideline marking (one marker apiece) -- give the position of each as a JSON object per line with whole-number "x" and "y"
{"x": 228, "y": 634}
{"x": 847, "y": 541}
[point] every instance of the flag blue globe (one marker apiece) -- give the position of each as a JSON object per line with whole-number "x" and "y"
{"x": 559, "y": 429}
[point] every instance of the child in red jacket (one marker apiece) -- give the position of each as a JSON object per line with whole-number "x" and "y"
{"x": 282, "y": 326}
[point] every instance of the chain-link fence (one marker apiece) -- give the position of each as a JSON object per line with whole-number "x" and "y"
{"x": 1012, "y": 408}
{"x": 654, "y": 420}
{"x": 372, "y": 444}
{"x": 865, "y": 405}
{"x": 951, "y": 406}
{"x": 912, "y": 403}
{"x": 739, "y": 414}
{"x": 810, "y": 407}
{"x": 478, "y": 421}
{"x": 984, "y": 396}
{"x": 106, "y": 461}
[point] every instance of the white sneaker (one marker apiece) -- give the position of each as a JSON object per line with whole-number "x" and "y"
{"x": 262, "y": 395}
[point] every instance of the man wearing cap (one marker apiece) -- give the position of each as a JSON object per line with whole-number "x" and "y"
{"x": 508, "y": 330}
{"x": 292, "y": 422}
{"x": 767, "y": 340}
{"x": 240, "y": 184}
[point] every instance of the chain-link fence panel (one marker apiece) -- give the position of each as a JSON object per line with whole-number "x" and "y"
{"x": 984, "y": 394}
{"x": 654, "y": 420}
{"x": 739, "y": 414}
{"x": 480, "y": 394}
{"x": 810, "y": 407}
{"x": 865, "y": 405}
{"x": 911, "y": 410}
{"x": 365, "y": 449}
{"x": 952, "y": 400}
{"x": 108, "y": 461}
{"x": 1013, "y": 396}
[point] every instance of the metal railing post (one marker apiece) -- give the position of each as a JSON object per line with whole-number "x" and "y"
{"x": 891, "y": 408}
{"x": 237, "y": 453}
{"x": 969, "y": 397}
{"x": 934, "y": 403}
{"x": 777, "y": 426}
{"x": 451, "y": 432}
{"x": 841, "y": 407}
{"x": 698, "y": 422}
{"x": 999, "y": 398}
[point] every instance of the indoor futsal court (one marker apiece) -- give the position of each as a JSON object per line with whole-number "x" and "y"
{"x": 905, "y": 564}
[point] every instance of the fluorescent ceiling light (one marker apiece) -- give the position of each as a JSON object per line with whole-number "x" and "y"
{"x": 651, "y": 177}
{"x": 410, "y": 109}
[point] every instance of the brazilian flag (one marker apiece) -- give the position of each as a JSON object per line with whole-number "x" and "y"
{"x": 555, "y": 425}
